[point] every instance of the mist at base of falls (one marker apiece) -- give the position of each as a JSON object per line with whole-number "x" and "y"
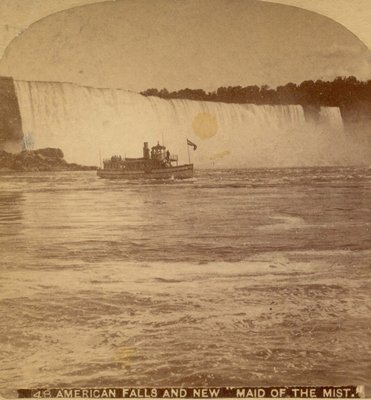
{"x": 88, "y": 122}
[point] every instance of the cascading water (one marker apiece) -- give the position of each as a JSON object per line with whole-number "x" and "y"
{"x": 332, "y": 117}
{"x": 85, "y": 121}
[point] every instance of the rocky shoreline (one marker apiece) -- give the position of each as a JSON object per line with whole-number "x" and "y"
{"x": 47, "y": 159}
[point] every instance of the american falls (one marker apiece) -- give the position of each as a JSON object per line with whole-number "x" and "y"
{"x": 88, "y": 122}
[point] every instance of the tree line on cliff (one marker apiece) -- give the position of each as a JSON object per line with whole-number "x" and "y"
{"x": 344, "y": 92}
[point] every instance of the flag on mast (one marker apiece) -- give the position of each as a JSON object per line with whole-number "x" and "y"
{"x": 192, "y": 144}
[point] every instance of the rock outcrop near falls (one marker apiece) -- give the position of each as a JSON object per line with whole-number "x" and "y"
{"x": 48, "y": 159}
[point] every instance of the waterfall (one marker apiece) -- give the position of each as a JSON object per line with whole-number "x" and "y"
{"x": 85, "y": 121}
{"x": 332, "y": 117}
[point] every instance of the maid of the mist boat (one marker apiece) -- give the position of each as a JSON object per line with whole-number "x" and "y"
{"x": 156, "y": 163}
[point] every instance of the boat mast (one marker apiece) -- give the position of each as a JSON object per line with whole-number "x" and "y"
{"x": 189, "y": 156}
{"x": 163, "y": 143}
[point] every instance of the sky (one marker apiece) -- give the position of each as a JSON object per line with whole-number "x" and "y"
{"x": 353, "y": 14}
{"x": 17, "y": 15}
{"x": 63, "y": 48}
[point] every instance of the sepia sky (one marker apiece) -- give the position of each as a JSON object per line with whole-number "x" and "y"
{"x": 17, "y": 15}
{"x": 92, "y": 45}
{"x": 353, "y": 14}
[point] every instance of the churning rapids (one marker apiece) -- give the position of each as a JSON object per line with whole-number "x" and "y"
{"x": 85, "y": 122}
{"x": 241, "y": 277}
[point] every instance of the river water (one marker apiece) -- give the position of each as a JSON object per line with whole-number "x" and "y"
{"x": 239, "y": 277}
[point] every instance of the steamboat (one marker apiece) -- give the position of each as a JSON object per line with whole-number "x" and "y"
{"x": 156, "y": 163}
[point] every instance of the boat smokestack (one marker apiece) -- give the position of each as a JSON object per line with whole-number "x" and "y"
{"x": 145, "y": 150}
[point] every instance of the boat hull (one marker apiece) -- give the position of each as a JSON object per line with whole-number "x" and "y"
{"x": 178, "y": 172}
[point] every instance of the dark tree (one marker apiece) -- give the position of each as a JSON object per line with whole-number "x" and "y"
{"x": 353, "y": 97}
